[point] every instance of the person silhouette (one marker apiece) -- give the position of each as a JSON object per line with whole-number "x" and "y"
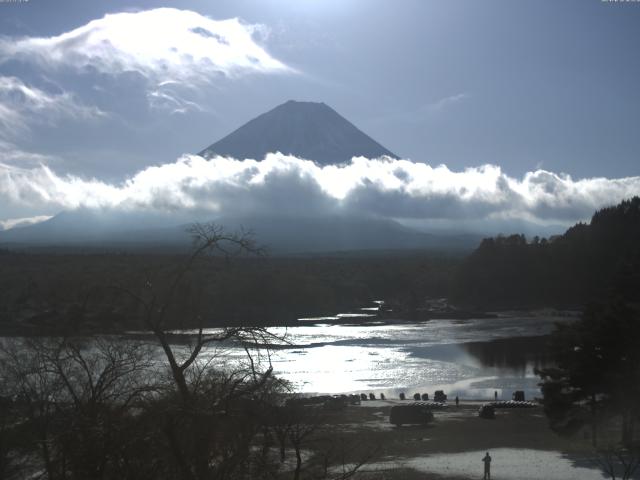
{"x": 457, "y": 401}
{"x": 495, "y": 395}
{"x": 487, "y": 467}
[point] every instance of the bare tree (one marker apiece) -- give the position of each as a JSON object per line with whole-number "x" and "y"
{"x": 156, "y": 305}
{"x": 618, "y": 461}
{"x": 10, "y": 442}
{"x": 73, "y": 396}
{"x": 210, "y": 431}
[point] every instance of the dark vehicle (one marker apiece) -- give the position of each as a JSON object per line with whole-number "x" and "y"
{"x": 307, "y": 401}
{"x": 425, "y": 396}
{"x": 403, "y": 396}
{"x": 335, "y": 403}
{"x": 416, "y": 396}
{"x": 372, "y": 396}
{"x": 363, "y": 396}
{"x": 518, "y": 396}
{"x": 410, "y": 414}
{"x": 487, "y": 411}
{"x": 439, "y": 396}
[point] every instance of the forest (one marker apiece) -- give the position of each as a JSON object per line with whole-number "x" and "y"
{"x": 47, "y": 292}
{"x": 589, "y": 262}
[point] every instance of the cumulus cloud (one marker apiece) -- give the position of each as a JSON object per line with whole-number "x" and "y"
{"x": 132, "y": 66}
{"x": 164, "y": 44}
{"x": 285, "y": 185}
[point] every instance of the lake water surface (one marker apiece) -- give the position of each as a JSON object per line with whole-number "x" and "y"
{"x": 470, "y": 358}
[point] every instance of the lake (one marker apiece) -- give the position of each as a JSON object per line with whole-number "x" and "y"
{"x": 470, "y": 358}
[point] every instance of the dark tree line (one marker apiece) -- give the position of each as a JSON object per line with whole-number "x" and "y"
{"x": 596, "y": 376}
{"x": 595, "y": 383}
{"x": 44, "y": 293}
{"x": 589, "y": 262}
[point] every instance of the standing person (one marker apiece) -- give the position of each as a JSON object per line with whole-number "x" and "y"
{"x": 457, "y": 401}
{"x": 487, "y": 467}
{"x": 495, "y": 395}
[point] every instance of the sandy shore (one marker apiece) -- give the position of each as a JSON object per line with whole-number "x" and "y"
{"x": 519, "y": 440}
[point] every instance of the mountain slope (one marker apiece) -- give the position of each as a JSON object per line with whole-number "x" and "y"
{"x": 85, "y": 226}
{"x": 340, "y": 234}
{"x": 309, "y": 130}
{"x": 280, "y": 235}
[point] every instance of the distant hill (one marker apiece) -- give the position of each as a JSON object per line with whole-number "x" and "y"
{"x": 343, "y": 234}
{"x": 280, "y": 235}
{"x": 97, "y": 227}
{"x": 589, "y": 262}
{"x": 309, "y": 130}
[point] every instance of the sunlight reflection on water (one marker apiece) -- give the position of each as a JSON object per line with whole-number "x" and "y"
{"x": 452, "y": 355}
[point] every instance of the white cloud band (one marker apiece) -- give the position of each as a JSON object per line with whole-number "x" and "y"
{"x": 284, "y": 185}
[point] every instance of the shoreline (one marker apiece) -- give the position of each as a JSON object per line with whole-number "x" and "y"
{"x": 16, "y": 329}
{"x": 523, "y": 445}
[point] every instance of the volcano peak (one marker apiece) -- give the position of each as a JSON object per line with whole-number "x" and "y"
{"x": 310, "y": 130}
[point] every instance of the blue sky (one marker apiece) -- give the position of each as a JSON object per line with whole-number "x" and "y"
{"x": 526, "y": 86}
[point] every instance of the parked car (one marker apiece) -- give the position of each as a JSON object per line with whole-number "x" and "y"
{"x": 335, "y": 403}
{"x": 410, "y": 415}
{"x": 487, "y": 411}
{"x": 439, "y": 396}
{"x": 518, "y": 396}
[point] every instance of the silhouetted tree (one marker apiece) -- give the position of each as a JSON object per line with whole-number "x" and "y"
{"x": 618, "y": 462}
{"x": 596, "y": 376}
{"x": 72, "y": 399}
{"x": 587, "y": 263}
